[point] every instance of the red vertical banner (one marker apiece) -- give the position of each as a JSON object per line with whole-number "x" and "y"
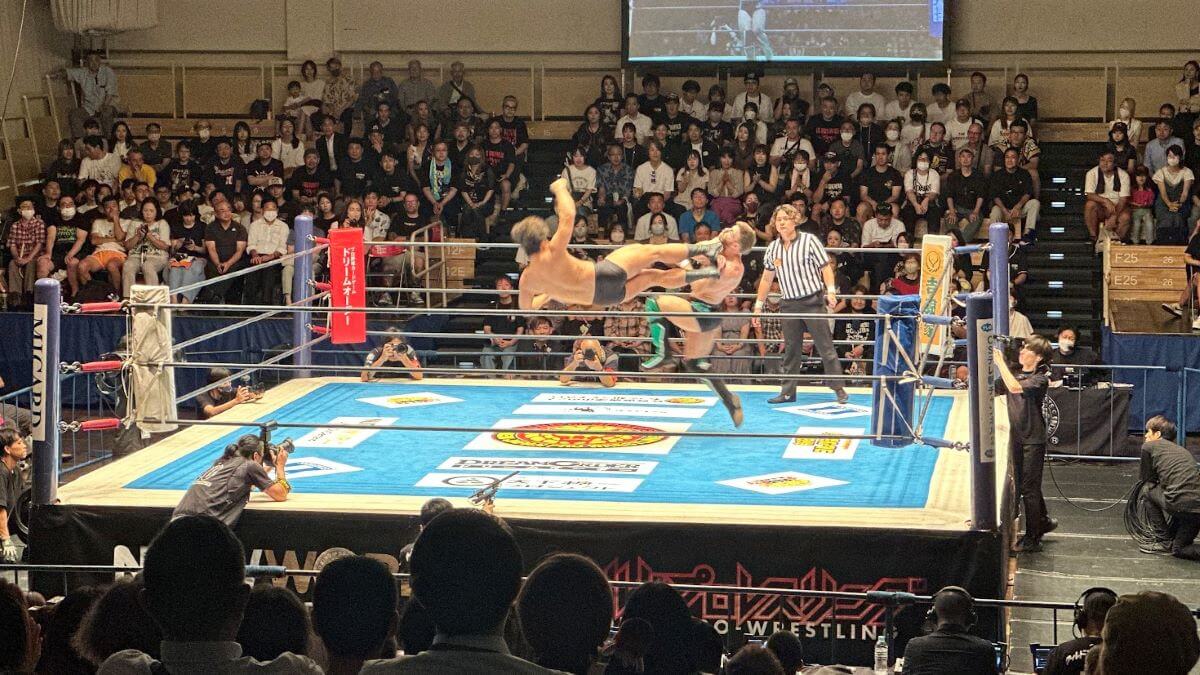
{"x": 347, "y": 286}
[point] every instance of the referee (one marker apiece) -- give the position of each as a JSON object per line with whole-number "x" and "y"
{"x": 806, "y": 278}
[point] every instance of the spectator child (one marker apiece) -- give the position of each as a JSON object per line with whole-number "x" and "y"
{"x": 1142, "y": 200}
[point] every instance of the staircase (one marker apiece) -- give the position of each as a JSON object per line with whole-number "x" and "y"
{"x": 1065, "y": 282}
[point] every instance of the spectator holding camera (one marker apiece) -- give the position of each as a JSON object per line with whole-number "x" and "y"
{"x": 216, "y": 401}
{"x": 590, "y": 363}
{"x": 223, "y": 490}
{"x": 394, "y": 353}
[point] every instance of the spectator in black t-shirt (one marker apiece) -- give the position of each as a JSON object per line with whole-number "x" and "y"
{"x": 825, "y": 128}
{"x": 502, "y": 324}
{"x": 355, "y": 173}
{"x": 1026, "y": 391}
{"x": 538, "y": 346}
{"x": 393, "y": 183}
{"x": 310, "y": 180}
{"x": 880, "y": 182}
{"x": 1069, "y": 657}
{"x": 225, "y": 244}
{"x": 476, "y": 188}
{"x": 966, "y": 193}
{"x": 223, "y": 490}
{"x": 716, "y": 130}
{"x": 501, "y": 157}
{"x": 216, "y": 401}
{"x": 1013, "y": 197}
{"x": 834, "y": 182}
{"x": 516, "y": 133}
{"x": 264, "y": 167}
{"x": 675, "y": 120}
{"x": 12, "y": 452}
{"x": 226, "y": 171}
{"x": 951, "y": 649}
{"x": 403, "y": 266}
{"x": 393, "y": 353}
{"x": 436, "y": 177}
{"x": 183, "y": 171}
{"x": 187, "y": 253}
{"x": 650, "y": 103}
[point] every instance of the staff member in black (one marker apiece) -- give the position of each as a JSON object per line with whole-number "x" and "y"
{"x": 1092, "y": 607}
{"x": 223, "y": 490}
{"x": 1172, "y": 487}
{"x": 1026, "y": 391}
{"x": 808, "y": 285}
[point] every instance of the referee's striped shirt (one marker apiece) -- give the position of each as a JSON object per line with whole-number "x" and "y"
{"x": 798, "y": 266}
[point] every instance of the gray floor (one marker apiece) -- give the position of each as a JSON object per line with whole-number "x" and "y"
{"x": 1088, "y": 549}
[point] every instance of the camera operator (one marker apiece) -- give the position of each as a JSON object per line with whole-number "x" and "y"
{"x": 223, "y": 490}
{"x": 394, "y": 353}
{"x": 1172, "y": 488}
{"x": 589, "y": 363}
{"x": 216, "y": 401}
{"x": 15, "y": 417}
{"x": 12, "y": 445}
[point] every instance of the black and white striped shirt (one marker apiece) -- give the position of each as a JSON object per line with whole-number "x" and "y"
{"x": 798, "y": 266}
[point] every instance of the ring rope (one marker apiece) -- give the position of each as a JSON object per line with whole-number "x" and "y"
{"x": 253, "y": 268}
{"x": 273, "y": 361}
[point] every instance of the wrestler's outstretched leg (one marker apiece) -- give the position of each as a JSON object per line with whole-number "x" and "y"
{"x": 696, "y": 348}
{"x": 637, "y": 257}
{"x": 666, "y": 279}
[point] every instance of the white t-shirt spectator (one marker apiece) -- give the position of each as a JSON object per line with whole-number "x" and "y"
{"x": 267, "y": 238}
{"x": 956, "y": 132}
{"x": 766, "y": 108}
{"x": 1091, "y": 184}
{"x": 103, "y": 170}
{"x": 642, "y": 124}
{"x": 1166, "y": 177}
{"x": 698, "y": 109}
{"x": 857, "y": 98}
{"x": 659, "y": 179}
{"x": 102, "y": 227}
{"x": 939, "y": 113}
{"x": 1018, "y": 325}
{"x": 872, "y": 233}
{"x": 892, "y": 111}
{"x": 641, "y": 232}
{"x": 782, "y": 146}
{"x": 291, "y": 157}
{"x": 581, "y": 180}
{"x": 922, "y": 185}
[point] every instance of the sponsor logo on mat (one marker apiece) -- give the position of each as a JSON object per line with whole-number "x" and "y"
{"x": 311, "y": 467}
{"x": 782, "y": 482}
{"x": 558, "y": 483}
{"x": 343, "y": 438}
{"x": 822, "y": 443}
{"x": 590, "y": 436}
{"x": 628, "y": 399}
{"x": 827, "y": 411}
{"x": 548, "y": 464}
{"x": 584, "y": 409}
{"x": 412, "y": 400}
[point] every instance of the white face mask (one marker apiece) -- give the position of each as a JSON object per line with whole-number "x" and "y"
{"x": 204, "y": 134}
{"x": 580, "y": 232}
{"x": 270, "y": 216}
{"x": 1066, "y": 345}
{"x": 1172, "y": 160}
{"x": 67, "y": 212}
{"x": 922, "y": 166}
{"x": 617, "y": 237}
{"x": 802, "y": 167}
{"x": 892, "y": 134}
{"x": 27, "y": 214}
{"x": 657, "y": 228}
{"x": 750, "y": 114}
{"x": 1124, "y": 113}
{"x": 847, "y": 136}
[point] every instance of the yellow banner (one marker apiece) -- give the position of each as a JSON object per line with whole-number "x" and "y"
{"x": 936, "y": 260}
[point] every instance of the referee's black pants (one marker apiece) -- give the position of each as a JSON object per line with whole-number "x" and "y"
{"x": 793, "y": 340}
{"x": 1028, "y": 463}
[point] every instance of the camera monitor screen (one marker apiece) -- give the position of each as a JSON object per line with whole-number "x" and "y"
{"x": 733, "y": 31}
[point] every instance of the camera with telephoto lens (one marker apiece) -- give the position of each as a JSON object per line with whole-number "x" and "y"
{"x": 589, "y": 355}
{"x": 271, "y": 450}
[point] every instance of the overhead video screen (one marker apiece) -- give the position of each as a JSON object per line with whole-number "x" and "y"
{"x": 731, "y": 31}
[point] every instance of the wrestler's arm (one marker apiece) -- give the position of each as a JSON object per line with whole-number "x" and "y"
{"x": 564, "y": 209}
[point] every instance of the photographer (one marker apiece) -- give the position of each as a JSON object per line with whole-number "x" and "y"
{"x": 216, "y": 401}
{"x": 1172, "y": 488}
{"x": 589, "y": 363}
{"x": 394, "y": 353}
{"x": 12, "y": 445}
{"x": 223, "y": 490}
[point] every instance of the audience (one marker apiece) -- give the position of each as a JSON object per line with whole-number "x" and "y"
{"x": 354, "y": 612}
{"x": 1147, "y": 632}
{"x": 950, "y": 648}
{"x": 566, "y": 610}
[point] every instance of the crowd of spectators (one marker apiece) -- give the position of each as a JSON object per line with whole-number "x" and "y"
{"x": 473, "y": 610}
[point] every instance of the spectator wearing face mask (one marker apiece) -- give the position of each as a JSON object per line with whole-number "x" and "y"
{"x": 1069, "y": 353}
{"x": 656, "y": 222}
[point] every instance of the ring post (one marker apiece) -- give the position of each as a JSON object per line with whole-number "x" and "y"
{"x": 47, "y": 388}
{"x": 303, "y": 274}
{"x": 892, "y": 401}
{"x": 983, "y": 432}
{"x": 998, "y": 271}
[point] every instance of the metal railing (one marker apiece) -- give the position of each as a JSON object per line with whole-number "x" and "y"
{"x": 83, "y": 399}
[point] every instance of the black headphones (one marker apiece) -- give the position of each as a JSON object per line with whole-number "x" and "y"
{"x": 931, "y": 616}
{"x": 1080, "y": 622}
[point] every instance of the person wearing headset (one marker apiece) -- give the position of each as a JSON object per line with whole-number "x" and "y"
{"x": 950, "y": 649}
{"x": 1091, "y": 608}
